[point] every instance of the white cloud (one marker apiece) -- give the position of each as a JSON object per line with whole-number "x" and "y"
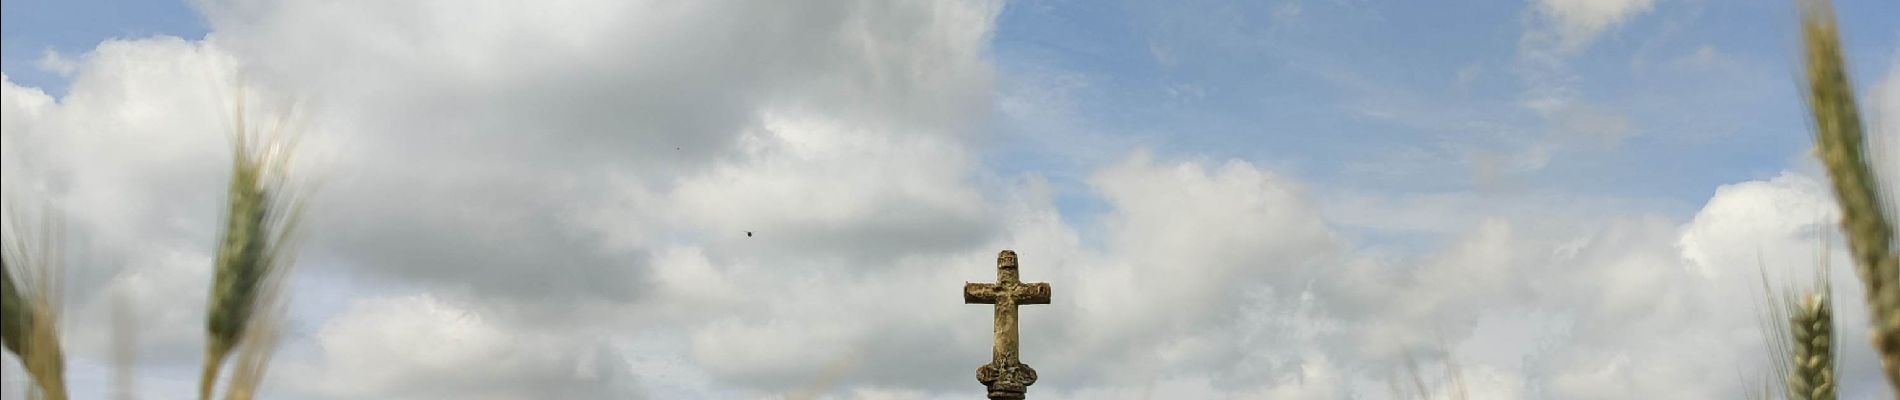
{"x": 54, "y": 62}
{"x": 1579, "y": 22}
{"x": 1584, "y": 301}
{"x": 422, "y": 347}
{"x": 505, "y": 124}
{"x": 477, "y": 173}
{"x": 1787, "y": 210}
{"x": 807, "y": 186}
{"x": 1178, "y": 268}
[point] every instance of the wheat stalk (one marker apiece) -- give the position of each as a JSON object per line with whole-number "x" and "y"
{"x": 254, "y": 355}
{"x": 257, "y": 240}
{"x": 1838, "y": 140}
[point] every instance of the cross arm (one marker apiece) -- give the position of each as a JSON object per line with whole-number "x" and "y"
{"x": 979, "y": 293}
{"x": 1032, "y": 293}
{"x": 988, "y": 293}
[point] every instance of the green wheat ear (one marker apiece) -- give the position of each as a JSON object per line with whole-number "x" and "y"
{"x": 1839, "y": 142}
{"x": 259, "y": 221}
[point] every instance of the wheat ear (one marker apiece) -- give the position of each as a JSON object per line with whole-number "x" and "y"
{"x": 1811, "y": 329}
{"x": 1839, "y": 142}
{"x": 260, "y": 219}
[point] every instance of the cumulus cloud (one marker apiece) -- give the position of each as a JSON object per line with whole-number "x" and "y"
{"x": 1174, "y": 276}
{"x": 1183, "y": 302}
{"x": 508, "y": 123}
{"x": 420, "y": 347}
{"x": 484, "y": 161}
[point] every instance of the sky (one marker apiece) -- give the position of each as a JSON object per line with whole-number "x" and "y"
{"x": 1286, "y": 199}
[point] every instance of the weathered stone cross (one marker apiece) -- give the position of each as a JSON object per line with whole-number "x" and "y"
{"x": 1006, "y": 376}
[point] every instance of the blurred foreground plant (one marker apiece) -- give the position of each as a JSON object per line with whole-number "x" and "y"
{"x": 255, "y": 249}
{"x": 1840, "y": 143}
{"x": 29, "y": 305}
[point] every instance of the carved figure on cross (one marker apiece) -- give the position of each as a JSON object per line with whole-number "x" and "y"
{"x": 1006, "y": 376}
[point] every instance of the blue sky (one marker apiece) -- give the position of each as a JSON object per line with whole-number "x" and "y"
{"x": 1384, "y": 96}
{"x": 1301, "y": 91}
{"x": 552, "y": 192}
{"x": 30, "y": 28}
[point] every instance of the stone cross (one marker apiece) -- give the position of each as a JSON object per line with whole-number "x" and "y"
{"x": 1006, "y": 376}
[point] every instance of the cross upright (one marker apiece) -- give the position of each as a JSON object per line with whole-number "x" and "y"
{"x": 1006, "y": 376}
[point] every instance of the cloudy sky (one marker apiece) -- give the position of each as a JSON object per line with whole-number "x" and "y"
{"x": 1286, "y": 199}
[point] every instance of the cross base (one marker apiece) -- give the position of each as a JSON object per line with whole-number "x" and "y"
{"x": 1006, "y": 381}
